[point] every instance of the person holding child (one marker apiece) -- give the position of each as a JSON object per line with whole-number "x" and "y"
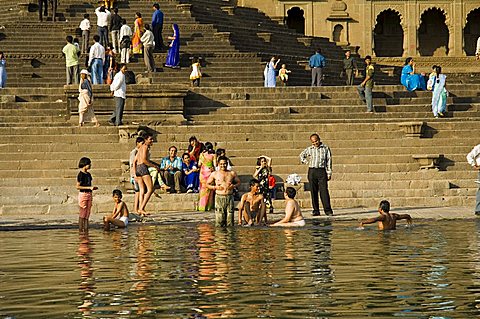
{"x": 119, "y": 216}
{"x": 262, "y": 173}
{"x": 85, "y": 193}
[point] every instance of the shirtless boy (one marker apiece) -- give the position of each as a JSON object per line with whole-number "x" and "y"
{"x": 119, "y": 216}
{"x": 224, "y": 181}
{"x": 252, "y": 207}
{"x": 293, "y": 215}
{"x": 386, "y": 220}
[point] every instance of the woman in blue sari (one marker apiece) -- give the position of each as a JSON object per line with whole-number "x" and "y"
{"x": 3, "y": 70}
{"x": 191, "y": 176}
{"x": 269, "y": 73}
{"x": 409, "y": 79}
{"x": 173, "y": 57}
{"x": 440, "y": 94}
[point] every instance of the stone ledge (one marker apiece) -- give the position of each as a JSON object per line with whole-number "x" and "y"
{"x": 307, "y": 41}
{"x": 230, "y": 10}
{"x": 413, "y": 129}
{"x": 184, "y": 7}
{"x": 265, "y": 36}
{"x": 428, "y": 161}
{"x": 222, "y": 36}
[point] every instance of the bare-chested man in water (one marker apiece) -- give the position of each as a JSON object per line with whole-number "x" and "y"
{"x": 293, "y": 215}
{"x": 252, "y": 208}
{"x": 142, "y": 174}
{"x": 224, "y": 183}
{"x": 386, "y": 220}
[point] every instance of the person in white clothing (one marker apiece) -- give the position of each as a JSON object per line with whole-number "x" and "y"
{"x": 96, "y": 60}
{"x": 103, "y": 16}
{"x": 473, "y": 158}
{"x": 118, "y": 90}
{"x": 125, "y": 42}
{"x": 477, "y": 50}
{"x": 147, "y": 40}
{"x": 85, "y": 27}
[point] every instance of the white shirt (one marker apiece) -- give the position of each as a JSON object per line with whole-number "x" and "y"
{"x": 473, "y": 157}
{"x": 97, "y": 51}
{"x": 125, "y": 30}
{"x": 147, "y": 38}
{"x": 102, "y": 17}
{"x": 118, "y": 86}
{"x": 85, "y": 25}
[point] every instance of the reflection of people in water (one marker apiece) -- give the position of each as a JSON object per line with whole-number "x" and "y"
{"x": 386, "y": 220}
{"x": 144, "y": 272}
{"x": 87, "y": 285}
{"x": 293, "y": 215}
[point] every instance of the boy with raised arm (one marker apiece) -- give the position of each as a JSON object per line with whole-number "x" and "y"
{"x": 252, "y": 207}
{"x": 386, "y": 220}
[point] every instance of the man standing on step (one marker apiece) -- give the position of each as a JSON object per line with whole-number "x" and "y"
{"x": 42, "y": 9}
{"x": 71, "y": 53}
{"x": 96, "y": 59}
{"x": 319, "y": 160}
{"x": 157, "y": 26}
{"x": 118, "y": 89}
{"x": 473, "y": 158}
{"x": 115, "y": 25}
{"x": 365, "y": 88}
{"x": 317, "y": 62}
{"x": 103, "y": 17}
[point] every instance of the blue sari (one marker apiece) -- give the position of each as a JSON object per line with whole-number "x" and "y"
{"x": 192, "y": 180}
{"x": 439, "y": 97}
{"x": 173, "y": 57}
{"x": 269, "y": 74}
{"x": 412, "y": 81}
{"x": 3, "y": 73}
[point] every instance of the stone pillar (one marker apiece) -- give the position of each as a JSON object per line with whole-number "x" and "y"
{"x": 455, "y": 27}
{"x": 410, "y": 35}
{"x": 368, "y": 26}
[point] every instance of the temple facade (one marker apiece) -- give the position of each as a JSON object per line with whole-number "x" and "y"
{"x": 383, "y": 27}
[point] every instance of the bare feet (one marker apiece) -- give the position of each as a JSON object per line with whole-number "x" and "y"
{"x": 97, "y": 124}
{"x": 165, "y": 187}
{"x": 143, "y": 213}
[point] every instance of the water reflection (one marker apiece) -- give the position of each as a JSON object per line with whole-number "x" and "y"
{"x": 87, "y": 283}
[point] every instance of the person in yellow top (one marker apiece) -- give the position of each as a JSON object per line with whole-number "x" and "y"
{"x": 365, "y": 88}
{"x": 283, "y": 74}
{"x": 196, "y": 74}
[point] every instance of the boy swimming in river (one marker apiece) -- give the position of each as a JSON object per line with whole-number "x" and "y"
{"x": 119, "y": 216}
{"x": 386, "y": 220}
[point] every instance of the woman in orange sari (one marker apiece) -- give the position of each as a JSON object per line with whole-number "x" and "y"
{"x": 137, "y": 34}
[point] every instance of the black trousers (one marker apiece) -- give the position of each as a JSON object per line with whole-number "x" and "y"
{"x": 42, "y": 6}
{"x": 317, "y": 177}
{"x": 157, "y": 35}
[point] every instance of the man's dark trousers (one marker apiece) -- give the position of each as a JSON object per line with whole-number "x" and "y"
{"x": 318, "y": 179}
{"x": 157, "y": 34}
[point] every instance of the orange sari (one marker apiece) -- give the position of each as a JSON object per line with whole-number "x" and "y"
{"x": 137, "y": 34}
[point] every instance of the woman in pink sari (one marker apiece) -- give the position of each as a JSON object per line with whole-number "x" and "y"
{"x": 207, "y": 163}
{"x": 137, "y": 34}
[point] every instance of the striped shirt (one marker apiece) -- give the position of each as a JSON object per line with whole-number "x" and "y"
{"x": 320, "y": 157}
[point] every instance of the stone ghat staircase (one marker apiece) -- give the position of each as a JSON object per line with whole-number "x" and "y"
{"x": 373, "y": 156}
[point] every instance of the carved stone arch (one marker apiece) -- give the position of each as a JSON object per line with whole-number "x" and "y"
{"x": 388, "y": 33}
{"x": 434, "y": 32}
{"x": 471, "y": 31}
{"x": 295, "y": 18}
{"x": 439, "y": 8}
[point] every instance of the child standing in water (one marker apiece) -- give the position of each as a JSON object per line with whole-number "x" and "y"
{"x": 283, "y": 74}
{"x": 196, "y": 74}
{"x": 85, "y": 188}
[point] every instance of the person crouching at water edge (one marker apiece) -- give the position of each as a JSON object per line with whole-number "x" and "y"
{"x": 252, "y": 208}
{"x": 224, "y": 181}
{"x": 293, "y": 215}
{"x": 386, "y": 220}
{"x": 119, "y": 216}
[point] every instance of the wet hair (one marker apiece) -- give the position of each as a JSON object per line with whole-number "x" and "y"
{"x": 138, "y": 14}
{"x": 139, "y": 139}
{"x": 84, "y": 161}
{"x": 407, "y": 60}
{"x": 185, "y": 154}
{"x": 209, "y": 148}
{"x": 192, "y": 138}
{"x": 291, "y": 192}
{"x": 117, "y": 192}
{"x": 368, "y": 57}
{"x": 384, "y": 206}
{"x": 220, "y": 151}
{"x": 173, "y": 146}
{"x": 156, "y": 6}
{"x": 96, "y": 38}
{"x": 147, "y": 26}
{"x": 222, "y": 158}
{"x": 315, "y": 134}
{"x": 69, "y": 39}
{"x": 253, "y": 182}
{"x": 86, "y": 16}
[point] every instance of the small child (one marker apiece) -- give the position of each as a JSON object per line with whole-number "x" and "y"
{"x": 85, "y": 27}
{"x": 85, "y": 188}
{"x": 196, "y": 74}
{"x": 431, "y": 78}
{"x": 119, "y": 216}
{"x": 283, "y": 74}
{"x": 272, "y": 182}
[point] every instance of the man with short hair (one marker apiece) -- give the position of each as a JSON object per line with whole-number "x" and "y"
{"x": 85, "y": 27}
{"x": 317, "y": 62}
{"x": 224, "y": 181}
{"x": 349, "y": 68}
{"x": 103, "y": 16}
{"x": 147, "y": 40}
{"x": 319, "y": 160}
{"x": 96, "y": 59}
{"x": 252, "y": 208}
{"x": 71, "y": 53}
{"x": 157, "y": 26}
{"x": 365, "y": 88}
{"x": 171, "y": 170}
{"x": 125, "y": 42}
{"x": 115, "y": 25}
{"x": 118, "y": 89}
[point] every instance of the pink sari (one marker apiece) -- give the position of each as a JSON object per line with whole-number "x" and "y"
{"x": 205, "y": 202}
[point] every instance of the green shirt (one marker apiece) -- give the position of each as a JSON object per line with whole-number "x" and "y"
{"x": 370, "y": 71}
{"x": 71, "y": 57}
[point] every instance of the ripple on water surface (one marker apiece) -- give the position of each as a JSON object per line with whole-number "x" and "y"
{"x": 327, "y": 270}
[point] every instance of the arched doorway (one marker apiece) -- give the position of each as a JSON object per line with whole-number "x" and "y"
{"x": 337, "y": 33}
{"x": 388, "y": 34}
{"x": 471, "y": 32}
{"x": 296, "y": 20}
{"x": 433, "y": 33}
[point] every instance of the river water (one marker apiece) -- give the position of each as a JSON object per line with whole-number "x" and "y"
{"x": 326, "y": 270}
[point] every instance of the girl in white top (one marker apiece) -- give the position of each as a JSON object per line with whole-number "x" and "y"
{"x": 196, "y": 73}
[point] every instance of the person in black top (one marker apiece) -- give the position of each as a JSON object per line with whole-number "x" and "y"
{"x": 85, "y": 189}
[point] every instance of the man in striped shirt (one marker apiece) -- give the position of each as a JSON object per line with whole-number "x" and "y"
{"x": 319, "y": 160}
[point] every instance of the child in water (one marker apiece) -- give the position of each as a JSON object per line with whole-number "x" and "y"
{"x": 85, "y": 190}
{"x": 283, "y": 74}
{"x": 119, "y": 216}
{"x": 386, "y": 220}
{"x": 196, "y": 73}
